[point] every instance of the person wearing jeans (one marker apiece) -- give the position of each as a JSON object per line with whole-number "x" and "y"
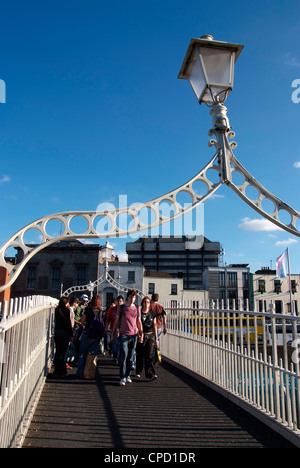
{"x": 89, "y": 344}
{"x": 113, "y": 345}
{"x": 128, "y": 322}
{"x": 127, "y": 344}
{"x": 161, "y": 320}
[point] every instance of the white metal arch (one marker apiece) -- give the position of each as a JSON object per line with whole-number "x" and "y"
{"x": 224, "y": 162}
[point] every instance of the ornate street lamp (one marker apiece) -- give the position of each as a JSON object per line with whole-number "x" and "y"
{"x": 209, "y": 67}
{"x": 106, "y": 252}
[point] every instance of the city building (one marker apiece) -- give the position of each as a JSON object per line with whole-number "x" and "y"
{"x": 75, "y": 268}
{"x": 171, "y": 290}
{"x": 57, "y": 267}
{"x": 118, "y": 278}
{"x": 4, "y": 295}
{"x": 269, "y": 288}
{"x": 229, "y": 285}
{"x": 180, "y": 257}
{"x": 178, "y": 269}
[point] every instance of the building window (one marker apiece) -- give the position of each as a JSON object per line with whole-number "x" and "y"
{"x": 262, "y": 306}
{"x": 278, "y": 307}
{"x": 261, "y": 286}
{"x": 109, "y": 298}
{"x": 246, "y": 298}
{"x": 31, "y": 274}
{"x": 222, "y": 294}
{"x": 232, "y": 280}
{"x": 131, "y": 276}
{"x": 245, "y": 280}
{"x": 222, "y": 279}
{"x": 151, "y": 288}
{"x": 81, "y": 276}
{"x": 111, "y": 273}
{"x": 294, "y": 285}
{"x": 55, "y": 278}
{"x": 233, "y": 297}
{"x": 173, "y": 288}
{"x": 277, "y": 286}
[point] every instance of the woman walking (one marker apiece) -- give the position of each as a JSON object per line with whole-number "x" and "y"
{"x": 63, "y": 334}
{"x": 93, "y": 333}
{"x": 144, "y": 349}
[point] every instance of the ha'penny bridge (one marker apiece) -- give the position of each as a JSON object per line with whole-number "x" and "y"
{"x": 221, "y": 383}
{"x": 212, "y": 390}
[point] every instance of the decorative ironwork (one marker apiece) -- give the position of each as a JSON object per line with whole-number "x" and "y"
{"x": 106, "y": 277}
{"x": 277, "y": 210}
{"x": 223, "y": 162}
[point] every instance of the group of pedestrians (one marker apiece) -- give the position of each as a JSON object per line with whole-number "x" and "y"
{"x": 132, "y": 333}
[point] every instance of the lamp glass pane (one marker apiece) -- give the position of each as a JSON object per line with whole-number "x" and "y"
{"x": 218, "y": 66}
{"x": 196, "y": 76}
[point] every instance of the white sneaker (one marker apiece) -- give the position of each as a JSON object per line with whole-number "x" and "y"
{"x": 128, "y": 380}
{"x": 122, "y": 382}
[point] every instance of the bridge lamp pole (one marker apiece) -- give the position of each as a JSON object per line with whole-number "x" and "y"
{"x": 209, "y": 67}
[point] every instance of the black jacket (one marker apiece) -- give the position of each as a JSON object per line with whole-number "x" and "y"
{"x": 63, "y": 320}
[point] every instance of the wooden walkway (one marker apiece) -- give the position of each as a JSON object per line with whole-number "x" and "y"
{"x": 175, "y": 411}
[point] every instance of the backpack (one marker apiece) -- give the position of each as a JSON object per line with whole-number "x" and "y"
{"x": 96, "y": 328}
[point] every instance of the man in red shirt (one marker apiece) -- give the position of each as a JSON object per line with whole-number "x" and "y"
{"x": 161, "y": 320}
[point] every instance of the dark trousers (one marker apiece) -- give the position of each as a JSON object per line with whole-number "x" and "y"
{"x": 61, "y": 339}
{"x": 144, "y": 353}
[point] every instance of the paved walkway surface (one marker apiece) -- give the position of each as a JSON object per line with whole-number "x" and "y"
{"x": 175, "y": 411}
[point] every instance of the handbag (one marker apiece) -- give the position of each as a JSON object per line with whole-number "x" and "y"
{"x": 157, "y": 357}
{"x": 90, "y": 367}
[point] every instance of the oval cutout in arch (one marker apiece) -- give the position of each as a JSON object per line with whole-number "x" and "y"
{"x": 54, "y": 228}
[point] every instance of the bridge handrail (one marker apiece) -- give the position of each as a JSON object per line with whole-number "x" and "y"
{"x": 251, "y": 357}
{"x": 26, "y": 333}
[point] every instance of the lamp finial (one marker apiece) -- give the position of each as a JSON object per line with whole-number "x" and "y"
{"x": 208, "y": 37}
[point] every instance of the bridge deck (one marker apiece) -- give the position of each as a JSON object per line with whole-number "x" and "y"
{"x": 175, "y": 411}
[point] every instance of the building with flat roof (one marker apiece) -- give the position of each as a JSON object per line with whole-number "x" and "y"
{"x": 229, "y": 285}
{"x": 180, "y": 257}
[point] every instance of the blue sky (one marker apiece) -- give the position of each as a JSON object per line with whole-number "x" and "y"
{"x": 94, "y": 110}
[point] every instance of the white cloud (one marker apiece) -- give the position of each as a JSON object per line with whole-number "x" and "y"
{"x": 286, "y": 243}
{"x": 123, "y": 257}
{"x": 215, "y": 195}
{"x": 291, "y": 60}
{"x": 258, "y": 225}
{"x": 86, "y": 241}
{"x": 296, "y": 164}
{"x": 4, "y": 178}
